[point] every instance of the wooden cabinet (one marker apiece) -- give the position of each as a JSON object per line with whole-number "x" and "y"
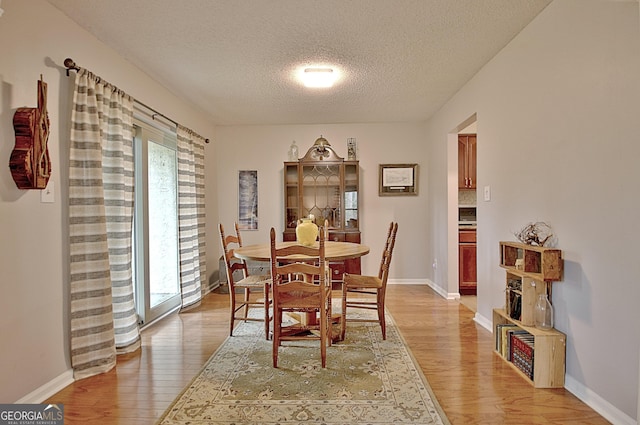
{"x": 326, "y": 186}
{"x": 537, "y": 354}
{"x": 467, "y": 154}
{"x": 467, "y": 269}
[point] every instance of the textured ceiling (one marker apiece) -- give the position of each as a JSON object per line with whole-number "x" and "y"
{"x": 399, "y": 60}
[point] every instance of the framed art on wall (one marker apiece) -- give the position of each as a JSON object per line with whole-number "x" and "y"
{"x": 398, "y": 179}
{"x": 248, "y": 199}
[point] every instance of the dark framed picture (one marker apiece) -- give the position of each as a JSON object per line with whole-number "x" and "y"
{"x": 248, "y": 199}
{"x": 398, "y": 180}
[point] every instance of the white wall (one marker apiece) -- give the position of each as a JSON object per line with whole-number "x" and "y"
{"x": 557, "y": 114}
{"x": 557, "y": 111}
{"x": 36, "y": 39}
{"x": 264, "y": 148}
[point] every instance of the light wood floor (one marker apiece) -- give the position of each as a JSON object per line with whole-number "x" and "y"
{"x": 471, "y": 383}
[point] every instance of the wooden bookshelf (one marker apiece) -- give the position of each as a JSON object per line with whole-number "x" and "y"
{"x": 530, "y": 271}
{"x": 537, "y": 262}
{"x": 549, "y": 353}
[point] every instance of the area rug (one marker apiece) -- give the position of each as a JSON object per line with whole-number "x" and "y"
{"x": 366, "y": 381}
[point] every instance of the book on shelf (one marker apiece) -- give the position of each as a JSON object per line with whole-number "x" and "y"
{"x": 514, "y": 283}
{"x": 522, "y": 355}
{"x": 511, "y": 334}
{"x": 515, "y": 305}
{"x": 523, "y": 363}
{"x": 501, "y": 340}
{"x": 525, "y": 342}
{"x": 498, "y": 334}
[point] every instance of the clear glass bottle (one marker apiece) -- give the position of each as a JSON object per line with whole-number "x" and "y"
{"x": 293, "y": 151}
{"x": 543, "y": 312}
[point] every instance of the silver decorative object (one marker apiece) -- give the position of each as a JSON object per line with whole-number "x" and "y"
{"x": 352, "y": 149}
{"x": 537, "y": 234}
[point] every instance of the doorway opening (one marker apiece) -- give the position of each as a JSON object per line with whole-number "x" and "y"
{"x": 155, "y": 229}
{"x": 463, "y": 228}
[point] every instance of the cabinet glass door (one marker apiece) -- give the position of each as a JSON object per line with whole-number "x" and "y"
{"x": 321, "y": 193}
{"x": 291, "y": 195}
{"x": 351, "y": 196}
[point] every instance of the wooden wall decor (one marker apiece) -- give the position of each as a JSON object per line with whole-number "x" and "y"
{"x": 30, "y": 163}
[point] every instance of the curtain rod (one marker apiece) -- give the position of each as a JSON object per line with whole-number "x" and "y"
{"x": 71, "y": 66}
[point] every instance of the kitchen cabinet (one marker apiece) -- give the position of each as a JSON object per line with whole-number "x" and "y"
{"x": 326, "y": 186}
{"x": 467, "y": 153}
{"x": 467, "y": 265}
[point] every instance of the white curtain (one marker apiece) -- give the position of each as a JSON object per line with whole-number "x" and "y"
{"x": 191, "y": 217}
{"x": 103, "y": 315}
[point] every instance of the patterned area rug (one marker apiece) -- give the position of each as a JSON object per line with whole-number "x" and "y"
{"x": 366, "y": 381}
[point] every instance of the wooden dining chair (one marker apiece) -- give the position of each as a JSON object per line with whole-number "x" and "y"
{"x": 303, "y": 288}
{"x": 368, "y": 292}
{"x": 255, "y": 288}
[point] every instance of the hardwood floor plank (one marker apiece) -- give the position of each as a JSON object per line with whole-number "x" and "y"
{"x": 472, "y": 384}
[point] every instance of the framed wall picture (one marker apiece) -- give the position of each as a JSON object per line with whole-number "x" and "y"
{"x": 398, "y": 179}
{"x": 248, "y": 199}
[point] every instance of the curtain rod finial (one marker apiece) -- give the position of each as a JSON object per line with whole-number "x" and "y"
{"x": 70, "y": 64}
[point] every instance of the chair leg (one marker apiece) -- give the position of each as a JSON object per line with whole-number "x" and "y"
{"x": 343, "y": 319}
{"x": 247, "y": 295}
{"x": 232, "y": 303}
{"x": 277, "y": 320}
{"x": 329, "y": 323}
{"x": 266, "y": 315}
{"x": 381, "y": 319}
{"x": 323, "y": 340}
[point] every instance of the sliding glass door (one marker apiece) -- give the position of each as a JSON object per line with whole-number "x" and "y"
{"x": 156, "y": 261}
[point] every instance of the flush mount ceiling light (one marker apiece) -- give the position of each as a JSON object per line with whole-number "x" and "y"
{"x": 318, "y": 77}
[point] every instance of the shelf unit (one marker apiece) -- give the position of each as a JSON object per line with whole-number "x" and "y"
{"x": 537, "y": 262}
{"x": 530, "y": 271}
{"x": 549, "y": 353}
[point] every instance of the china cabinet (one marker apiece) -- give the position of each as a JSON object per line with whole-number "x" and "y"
{"x": 323, "y": 185}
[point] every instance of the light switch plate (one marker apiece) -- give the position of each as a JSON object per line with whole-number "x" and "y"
{"x": 47, "y": 195}
{"x": 487, "y": 193}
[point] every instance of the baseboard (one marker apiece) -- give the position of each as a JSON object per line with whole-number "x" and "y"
{"x": 210, "y": 288}
{"x": 407, "y": 282}
{"x": 442, "y": 292}
{"x": 47, "y": 390}
{"x": 483, "y": 321}
{"x": 597, "y": 403}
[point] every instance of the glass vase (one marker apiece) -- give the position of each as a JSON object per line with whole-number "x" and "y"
{"x": 293, "y": 151}
{"x": 543, "y": 312}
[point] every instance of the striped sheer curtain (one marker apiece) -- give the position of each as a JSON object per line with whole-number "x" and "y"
{"x": 191, "y": 217}
{"x": 103, "y": 315}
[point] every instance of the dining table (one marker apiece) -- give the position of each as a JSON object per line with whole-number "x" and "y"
{"x": 333, "y": 251}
